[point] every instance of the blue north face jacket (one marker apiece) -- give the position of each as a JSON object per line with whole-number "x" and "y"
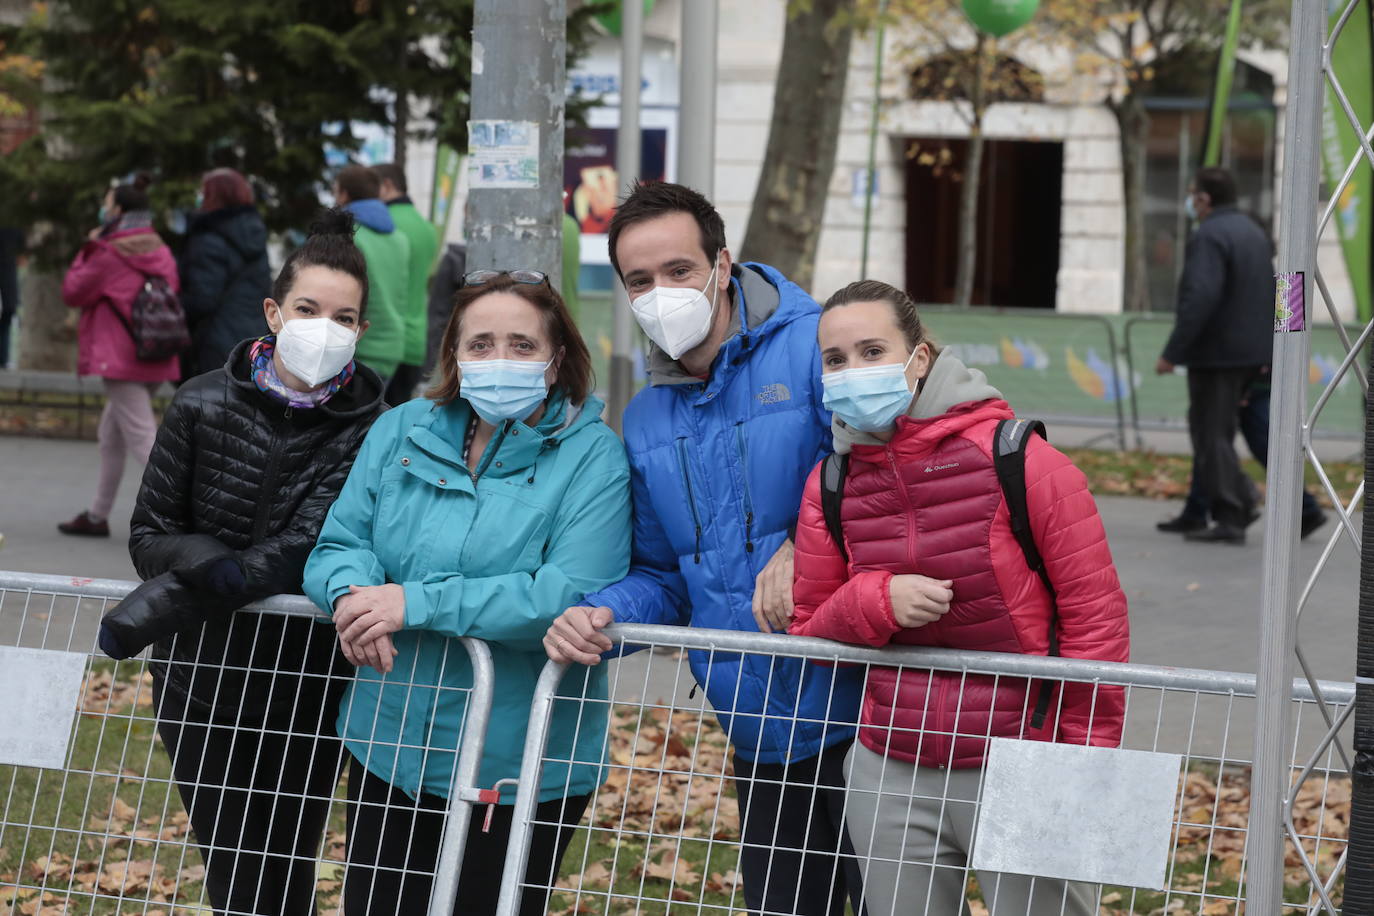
{"x": 717, "y": 470}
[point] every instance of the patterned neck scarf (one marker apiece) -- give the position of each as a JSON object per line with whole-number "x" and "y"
{"x": 264, "y": 372}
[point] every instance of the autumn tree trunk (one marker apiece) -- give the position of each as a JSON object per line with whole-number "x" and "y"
{"x": 973, "y": 175}
{"x": 1134, "y": 123}
{"x": 789, "y": 202}
{"x": 47, "y": 338}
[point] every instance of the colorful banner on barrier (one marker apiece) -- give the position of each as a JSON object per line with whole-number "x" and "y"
{"x": 1354, "y": 216}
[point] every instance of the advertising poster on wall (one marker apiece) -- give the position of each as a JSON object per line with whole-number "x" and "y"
{"x": 590, "y": 182}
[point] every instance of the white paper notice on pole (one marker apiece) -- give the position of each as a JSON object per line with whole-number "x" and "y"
{"x": 503, "y": 154}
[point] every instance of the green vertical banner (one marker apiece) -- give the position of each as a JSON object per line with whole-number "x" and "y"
{"x": 1221, "y": 89}
{"x": 447, "y": 167}
{"x": 1354, "y": 216}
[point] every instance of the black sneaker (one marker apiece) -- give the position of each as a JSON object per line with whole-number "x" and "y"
{"x": 85, "y": 526}
{"x": 1311, "y": 521}
{"x": 1217, "y": 534}
{"x": 1182, "y": 524}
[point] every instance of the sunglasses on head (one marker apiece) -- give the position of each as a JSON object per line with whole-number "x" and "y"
{"x": 522, "y": 275}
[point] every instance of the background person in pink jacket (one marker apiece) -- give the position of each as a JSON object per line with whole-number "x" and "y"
{"x": 932, "y": 561}
{"x": 103, "y": 282}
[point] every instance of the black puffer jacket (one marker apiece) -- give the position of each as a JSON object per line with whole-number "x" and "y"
{"x": 224, "y": 278}
{"x": 236, "y": 474}
{"x": 1225, "y": 296}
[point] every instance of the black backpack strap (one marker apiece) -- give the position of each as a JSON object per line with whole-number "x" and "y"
{"x": 1009, "y": 459}
{"x": 834, "y": 469}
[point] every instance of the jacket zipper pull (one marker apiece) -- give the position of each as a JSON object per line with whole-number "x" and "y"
{"x": 288, "y": 412}
{"x": 749, "y": 533}
{"x": 693, "y": 692}
{"x": 696, "y": 555}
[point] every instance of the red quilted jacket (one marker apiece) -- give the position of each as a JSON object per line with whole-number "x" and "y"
{"x": 929, "y": 502}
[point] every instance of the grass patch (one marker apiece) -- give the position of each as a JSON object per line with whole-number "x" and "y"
{"x": 1155, "y": 476}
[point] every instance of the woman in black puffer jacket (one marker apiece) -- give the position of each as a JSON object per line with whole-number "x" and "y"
{"x": 247, "y": 462}
{"x": 224, "y": 270}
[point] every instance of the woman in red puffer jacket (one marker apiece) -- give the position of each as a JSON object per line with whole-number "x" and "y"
{"x": 932, "y": 561}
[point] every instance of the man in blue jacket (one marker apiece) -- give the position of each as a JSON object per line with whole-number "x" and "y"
{"x": 720, "y": 446}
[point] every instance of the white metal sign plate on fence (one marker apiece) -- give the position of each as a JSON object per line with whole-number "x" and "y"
{"x": 39, "y": 693}
{"x": 1100, "y": 815}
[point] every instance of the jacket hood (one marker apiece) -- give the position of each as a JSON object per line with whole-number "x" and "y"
{"x": 241, "y": 227}
{"x": 373, "y": 214}
{"x": 142, "y": 248}
{"x": 948, "y": 384}
{"x": 756, "y": 301}
{"x": 361, "y": 396}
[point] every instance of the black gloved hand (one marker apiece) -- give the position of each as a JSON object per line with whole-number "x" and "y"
{"x": 110, "y": 645}
{"x": 221, "y": 574}
{"x": 224, "y": 577}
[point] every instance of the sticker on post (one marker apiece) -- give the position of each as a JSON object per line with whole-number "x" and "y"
{"x": 503, "y": 154}
{"x": 1290, "y": 303}
{"x": 42, "y": 689}
{"x": 1093, "y": 814}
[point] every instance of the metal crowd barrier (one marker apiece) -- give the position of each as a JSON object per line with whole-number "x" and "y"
{"x": 100, "y": 827}
{"x": 664, "y": 826}
{"x": 106, "y": 831}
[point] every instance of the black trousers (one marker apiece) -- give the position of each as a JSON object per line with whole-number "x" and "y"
{"x": 393, "y": 850}
{"x": 258, "y": 795}
{"x": 796, "y": 858}
{"x": 1214, "y": 399}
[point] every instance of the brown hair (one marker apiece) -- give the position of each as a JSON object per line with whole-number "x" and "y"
{"x": 908, "y": 318}
{"x": 225, "y": 188}
{"x": 390, "y": 171}
{"x": 574, "y": 373}
{"x": 652, "y": 199}
{"x": 359, "y": 182}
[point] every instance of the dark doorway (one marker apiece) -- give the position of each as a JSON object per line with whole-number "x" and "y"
{"x": 1018, "y": 221}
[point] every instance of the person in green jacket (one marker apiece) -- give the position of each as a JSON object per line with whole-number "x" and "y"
{"x": 424, "y": 247}
{"x": 388, "y": 268}
{"x": 481, "y": 510}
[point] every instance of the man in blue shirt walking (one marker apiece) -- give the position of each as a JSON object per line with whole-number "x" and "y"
{"x": 720, "y": 446}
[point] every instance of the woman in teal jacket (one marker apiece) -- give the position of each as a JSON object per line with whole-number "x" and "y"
{"x": 482, "y": 510}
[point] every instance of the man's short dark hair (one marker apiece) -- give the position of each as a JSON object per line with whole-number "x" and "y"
{"x": 390, "y": 171}
{"x": 358, "y": 182}
{"x": 1218, "y": 184}
{"x": 651, "y": 199}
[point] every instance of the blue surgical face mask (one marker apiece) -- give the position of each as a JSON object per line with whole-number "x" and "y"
{"x": 504, "y": 389}
{"x": 869, "y": 398}
{"x": 1190, "y": 207}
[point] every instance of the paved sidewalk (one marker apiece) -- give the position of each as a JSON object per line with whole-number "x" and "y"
{"x": 1191, "y": 605}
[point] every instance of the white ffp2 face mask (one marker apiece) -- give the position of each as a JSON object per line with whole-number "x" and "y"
{"x": 315, "y": 350}
{"x": 677, "y": 318}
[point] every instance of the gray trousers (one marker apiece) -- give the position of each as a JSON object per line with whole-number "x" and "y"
{"x": 912, "y": 829}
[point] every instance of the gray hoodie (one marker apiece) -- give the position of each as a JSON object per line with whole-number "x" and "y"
{"x": 948, "y": 384}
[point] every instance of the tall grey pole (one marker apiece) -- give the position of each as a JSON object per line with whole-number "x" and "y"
{"x": 627, "y": 158}
{"x": 1270, "y": 779}
{"x": 696, "y": 129}
{"x": 518, "y": 50}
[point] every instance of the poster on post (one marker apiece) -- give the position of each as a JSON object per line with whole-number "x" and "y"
{"x": 503, "y": 155}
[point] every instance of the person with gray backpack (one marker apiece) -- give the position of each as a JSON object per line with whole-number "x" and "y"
{"x": 124, "y": 280}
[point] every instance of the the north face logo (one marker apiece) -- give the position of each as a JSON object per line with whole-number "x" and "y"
{"x": 775, "y": 393}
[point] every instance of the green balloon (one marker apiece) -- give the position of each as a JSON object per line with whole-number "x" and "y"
{"x": 1000, "y": 17}
{"x": 611, "y": 20}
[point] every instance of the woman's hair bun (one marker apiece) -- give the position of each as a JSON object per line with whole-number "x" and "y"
{"x": 142, "y": 180}
{"x": 332, "y": 221}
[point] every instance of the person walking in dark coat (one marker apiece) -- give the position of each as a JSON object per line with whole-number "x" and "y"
{"x": 1223, "y": 333}
{"x": 247, "y": 462}
{"x": 224, "y": 271}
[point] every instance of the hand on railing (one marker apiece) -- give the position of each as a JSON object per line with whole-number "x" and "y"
{"x": 576, "y": 637}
